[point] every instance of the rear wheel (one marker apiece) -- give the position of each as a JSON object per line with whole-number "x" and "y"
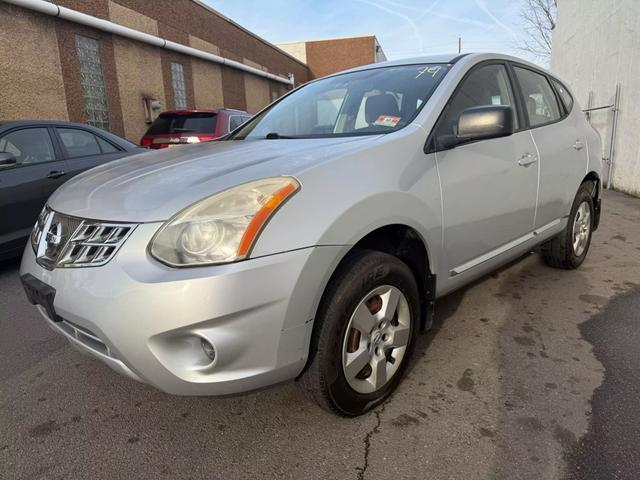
{"x": 364, "y": 333}
{"x": 569, "y": 249}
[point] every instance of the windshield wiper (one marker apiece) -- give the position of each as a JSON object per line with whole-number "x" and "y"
{"x": 276, "y": 136}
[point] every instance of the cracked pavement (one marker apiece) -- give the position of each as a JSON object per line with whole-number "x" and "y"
{"x": 501, "y": 388}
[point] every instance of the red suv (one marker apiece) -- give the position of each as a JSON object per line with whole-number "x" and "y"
{"x": 191, "y": 126}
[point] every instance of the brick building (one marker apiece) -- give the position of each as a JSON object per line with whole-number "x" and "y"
{"x": 73, "y": 60}
{"x": 324, "y": 57}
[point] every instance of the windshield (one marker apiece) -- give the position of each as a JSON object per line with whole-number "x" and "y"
{"x": 380, "y": 100}
{"x": 196, "y": 122}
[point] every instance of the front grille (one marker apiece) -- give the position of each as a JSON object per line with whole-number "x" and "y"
{"x": 63, "y": 241}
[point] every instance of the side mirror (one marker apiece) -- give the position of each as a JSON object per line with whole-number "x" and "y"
{"x": 490, "y": 121}
{"x": 481, "y": 123}
{"x": 7, "y": 160}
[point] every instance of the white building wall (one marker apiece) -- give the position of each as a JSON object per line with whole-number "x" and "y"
{"x": 296, "y": 49}
{"x": 596, "y": 44}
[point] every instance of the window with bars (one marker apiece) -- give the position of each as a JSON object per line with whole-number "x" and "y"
{"x": 179, "y": 86}
{"x": 92, "y": 79}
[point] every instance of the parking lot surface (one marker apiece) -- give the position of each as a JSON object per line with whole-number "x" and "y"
{"x": 530, "y": 373}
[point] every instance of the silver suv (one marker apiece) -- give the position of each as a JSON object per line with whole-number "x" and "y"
{"x": 312, "y": 242}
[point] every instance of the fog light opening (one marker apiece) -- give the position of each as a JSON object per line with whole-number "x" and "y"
{"x": 208, "y": 349}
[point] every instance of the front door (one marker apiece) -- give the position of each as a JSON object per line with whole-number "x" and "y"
{"x": 488, "y": 187}
{"x": 26, "y": 186}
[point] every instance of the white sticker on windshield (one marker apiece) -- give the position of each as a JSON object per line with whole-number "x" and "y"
{"x": 387, "y": 121}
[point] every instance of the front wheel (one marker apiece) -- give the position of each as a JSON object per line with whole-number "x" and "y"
{"x": 364, "y": 333}
{"x": 569, "y": 249}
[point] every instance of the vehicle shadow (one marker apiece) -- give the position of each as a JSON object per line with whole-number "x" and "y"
{"x": 447, "y": 306}
{"x": 10, "y": 264}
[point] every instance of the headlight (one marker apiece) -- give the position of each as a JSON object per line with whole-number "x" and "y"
{"x": 36, "y": 233}
{"x": 221, "y": 228}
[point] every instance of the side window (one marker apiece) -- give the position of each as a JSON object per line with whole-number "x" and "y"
{"x": 79, "y": 143}
{"x": 29, "y": 145}
{"x": 488, "y": 85}
{"x": 540, "y": 101}
{"x": 565, "y": 96}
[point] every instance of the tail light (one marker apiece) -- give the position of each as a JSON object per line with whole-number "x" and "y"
{"x": 172, "y": 140}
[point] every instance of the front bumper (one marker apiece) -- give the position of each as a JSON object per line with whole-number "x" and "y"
{"x": 146, "y": 320}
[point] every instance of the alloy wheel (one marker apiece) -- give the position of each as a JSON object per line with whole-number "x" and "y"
{"x": 376, "y": 339}
{"x": 581, "y": 229}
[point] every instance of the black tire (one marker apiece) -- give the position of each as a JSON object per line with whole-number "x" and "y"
{"x": 360, "y": 273}
{"x": 559, "y": 252}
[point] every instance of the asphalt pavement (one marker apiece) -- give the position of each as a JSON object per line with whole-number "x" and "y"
{"x": 530, "y": 373}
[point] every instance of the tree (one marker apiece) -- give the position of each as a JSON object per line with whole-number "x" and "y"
{"x": 539, "y": 18}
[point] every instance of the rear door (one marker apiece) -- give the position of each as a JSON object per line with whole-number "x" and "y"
{"x": 489, "y": 186}
{"x": 560, "y": 143}
{"x": 26, "y": 186}
{"x": 84, "y": 149}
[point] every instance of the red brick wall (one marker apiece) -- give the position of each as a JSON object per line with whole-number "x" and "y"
{"x": 97, "y": 8}
{"x": 325, "y": 57}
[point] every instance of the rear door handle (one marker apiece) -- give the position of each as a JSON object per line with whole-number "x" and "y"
{"x": 56, "y": 174}
{"x": 527, "y": 159}
{"x": 578, "y": 145}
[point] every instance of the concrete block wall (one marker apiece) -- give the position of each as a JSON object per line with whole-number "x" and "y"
{"x": 596, "y": 45}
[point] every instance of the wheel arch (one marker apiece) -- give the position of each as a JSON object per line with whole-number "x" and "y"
{"x": 595, "y": 179}
{"x": 596, "y": 191}
{"x": 403, "y": 242}
{"x": 406, "y": 243}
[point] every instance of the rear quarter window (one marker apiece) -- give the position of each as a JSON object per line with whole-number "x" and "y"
{"x": 564, "y": 94}
{"x": 235, "y": 121}
{"x": 79, "y": 143}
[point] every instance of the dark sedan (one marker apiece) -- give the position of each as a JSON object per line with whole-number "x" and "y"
{"x": 36, "y": 157}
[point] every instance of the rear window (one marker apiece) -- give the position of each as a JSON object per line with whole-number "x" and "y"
{"x": 168, "y": 123}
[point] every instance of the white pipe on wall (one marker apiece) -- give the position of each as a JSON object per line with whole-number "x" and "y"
{"x": 54, "y": 10}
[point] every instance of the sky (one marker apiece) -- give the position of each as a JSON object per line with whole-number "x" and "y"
{"x": 405, "y": 28}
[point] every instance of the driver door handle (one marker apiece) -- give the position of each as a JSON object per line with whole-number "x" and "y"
{"x": 527, "y": 159}
{"x": 578, "y": 145}
{"x": 56, "y": 174}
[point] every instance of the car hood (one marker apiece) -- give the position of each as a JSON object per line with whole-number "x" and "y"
{"x": 154, "y": 186}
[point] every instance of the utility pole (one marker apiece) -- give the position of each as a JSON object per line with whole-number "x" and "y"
{"x": 459, "y": 44}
